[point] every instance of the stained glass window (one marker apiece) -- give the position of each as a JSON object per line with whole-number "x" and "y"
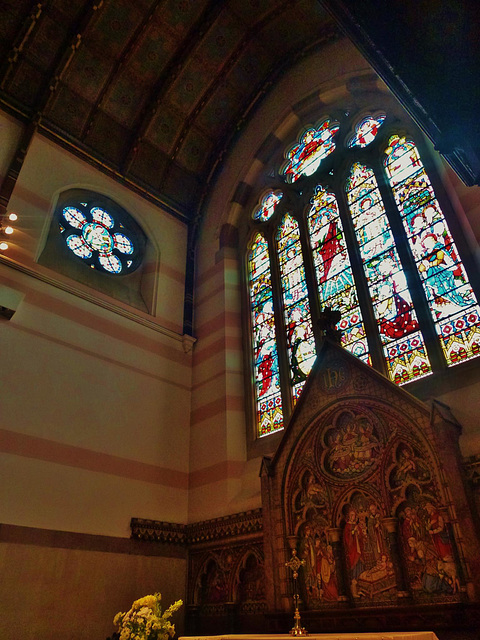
{"x": 267, "y": 206}
{"x": 334, "y": 272}
{"x": 386, "y": 263}
{"x": 315, "y": 144}
{"x": 99, "y": 238}
{"x": 402, "y": 341}
{"x": 268, "y": 398}
{"x": 366, "y": 131}
{"x": 298, "y": 323}
{"x": 451, "y": 299}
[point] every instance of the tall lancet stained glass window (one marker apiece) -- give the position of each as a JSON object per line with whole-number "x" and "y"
{"x": 334, "y": 272}
{"x": 452, "y": 302}
{"x": 268, "y": 398}
{"x": 387, "y": 263}
{"x": 402, "y": 340}
{"x": 296, "y": 307}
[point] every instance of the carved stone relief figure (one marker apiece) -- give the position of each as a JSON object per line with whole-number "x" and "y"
{"x": 212, "y": 587}
{"x": 367, "y": 555}
{"x": 250, "y": 581}
{"x": 352, "y": 445}
{"x": 428, "y": 547}
{"x": 320, "y": 572}
{"x": 409, "y": 467}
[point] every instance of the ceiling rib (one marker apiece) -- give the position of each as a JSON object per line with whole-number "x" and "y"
{"x": 144, "y": 119}
{"x": 218, "y": 79}
{"x": 117, "y": 67}
{"x": 31, "y": 20}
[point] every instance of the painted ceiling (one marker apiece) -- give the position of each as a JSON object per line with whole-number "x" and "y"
{"x": 152, "y": 91}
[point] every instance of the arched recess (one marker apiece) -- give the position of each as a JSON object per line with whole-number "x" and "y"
{"x": 131, "y": 278}
{"x": 349, "y": 103}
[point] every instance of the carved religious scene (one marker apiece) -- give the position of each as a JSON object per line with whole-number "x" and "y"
{"x": 367, "y": 488}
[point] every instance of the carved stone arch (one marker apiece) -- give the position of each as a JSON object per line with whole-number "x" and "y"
{"x": 248, "y": 584}
{"x": 210, "y": 582}
{"x": 309, "y": 501}
{"x": 410, "y": 465}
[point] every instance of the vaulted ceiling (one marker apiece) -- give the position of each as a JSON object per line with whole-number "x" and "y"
{"x": 152, "y": 91}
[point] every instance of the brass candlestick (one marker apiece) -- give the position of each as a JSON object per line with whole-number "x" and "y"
{"x": 294, "y": 564}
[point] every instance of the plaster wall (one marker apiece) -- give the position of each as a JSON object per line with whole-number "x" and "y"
{"x": 95, "y": 393}
{"x": 74, "y": 593}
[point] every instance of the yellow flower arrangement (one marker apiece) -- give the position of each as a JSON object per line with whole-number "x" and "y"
{"x": 145, "y": 620}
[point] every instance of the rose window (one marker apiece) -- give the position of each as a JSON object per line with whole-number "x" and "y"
{"x": 99, "y": 239}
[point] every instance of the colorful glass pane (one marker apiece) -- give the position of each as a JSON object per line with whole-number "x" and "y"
{"x": 296, "y": 307}
{"x": 267, "y": 381}
{"x": 122, "y": 243}
{"x": 451, "y": 299}
{"x": 78, "y": 246}
{"x": 402, "y": 340}
{"x": 110, "y": 263}
{"x": 334, "y": 272}
{"x": 74, "y": 217}
{"x": 366, "y": 131}
{"x": 314, "y": 144}
{"x": 267, "y": 206}
{"x": 95, "y": 241}
{"x": 97, "y": 237}
{"x": 104, "y": 218}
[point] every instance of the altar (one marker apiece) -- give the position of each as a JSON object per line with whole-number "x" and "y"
{"x": 408, "y": 635}
{"x": 366, "y": 490}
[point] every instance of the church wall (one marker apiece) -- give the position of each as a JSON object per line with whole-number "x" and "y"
{"x": 94, "y": 418}
{"x": 75, "y": 586}
{"x": 217, "y": 450}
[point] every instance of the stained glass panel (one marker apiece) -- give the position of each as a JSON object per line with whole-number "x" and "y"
{"x": 91, "y": 237}
{"x": 402, "y": 340}
{"x": 78, "y": 246}
{"x": 366, "y": 131}
{"x": 296, "y": 307}
{"x": 104, "y": 218}
{"x": 267, "y": 206}
{"x": 334, "y": 272}
{"x": 123, "y": 244}
{"x": 450, "y": 296}
{"x": 267, "y": 382}
{"x": 314, "y": 144}
{"x": 110, "y": 263}
{"x": 74, "y": 217}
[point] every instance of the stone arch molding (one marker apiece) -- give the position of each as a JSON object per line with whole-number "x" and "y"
{"x": 355, "y": 91}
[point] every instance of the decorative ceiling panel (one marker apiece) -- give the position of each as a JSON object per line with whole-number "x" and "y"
{"x": 153, "y": 90}
{"x": 165, "y": 127}
{"x": 87, "y": 73}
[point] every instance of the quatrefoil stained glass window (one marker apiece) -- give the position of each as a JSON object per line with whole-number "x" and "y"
{"x": 104, "y": 239}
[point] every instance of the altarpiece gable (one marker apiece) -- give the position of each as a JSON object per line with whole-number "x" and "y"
{"x": 367, "y": 487}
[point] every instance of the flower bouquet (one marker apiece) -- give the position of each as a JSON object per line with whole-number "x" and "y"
{"x": 145, "y": 620}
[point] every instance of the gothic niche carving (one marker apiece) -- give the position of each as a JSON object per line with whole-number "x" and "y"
{"x": 250, "y": 584}
{"x": 351, "y": 446}
{"x": 212, "y": 584}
